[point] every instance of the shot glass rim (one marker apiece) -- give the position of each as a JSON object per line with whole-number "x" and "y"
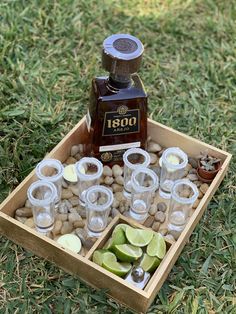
{"x": 184, "y": 200}
{"x": 53, "y": 163}
{"x": 136, "y": 151}
{"x": 148, "y": 171}
{"x": 177, "y": 151}
{"x": 103, "y": 189}
{"x": 36, "y": 202}
{"x": 89, "y": 177}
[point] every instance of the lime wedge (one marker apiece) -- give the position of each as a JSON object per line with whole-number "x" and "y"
{"x": 127, "y": 252}
{"x": 98, "y": 256}
{"x": 118, "y": 237}
{"x": 110, "y": 263}
{"x": 138, "y": 237}
{"x": 157, "y": 247}
{"x": 108, "y": 244}
{"x": 120, "y": 226}
{"x": 149, "y": 263}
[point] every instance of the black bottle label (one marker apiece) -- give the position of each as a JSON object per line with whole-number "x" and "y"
{"x": 121, "y": 121}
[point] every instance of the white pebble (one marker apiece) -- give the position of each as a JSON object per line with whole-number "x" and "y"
{"x": 153, "y": 147}
{"x": 108, "y": 180}
{"x": 30, "y": 222}
{"x": 115, "y": 203}
{"x": 74, "y": 189}
{"x": 107, "y": 172}
{"x": 119, "y": 180}
{"x": 119, "y": 196}
{"x": 57, "y": 227}
{"x": 66, "y": 227}
{"x": 72, "y": 217}
{"x": 153, "y": 157}
{"x": 153, "y": 209}
{"x": 74, "y": 150}
{"x": 65, "y": 194}
{"x": 117, "y": 170}
{"x": 117, "y": 188}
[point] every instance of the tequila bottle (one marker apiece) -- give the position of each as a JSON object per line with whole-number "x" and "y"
{"x": 117, "y": 113}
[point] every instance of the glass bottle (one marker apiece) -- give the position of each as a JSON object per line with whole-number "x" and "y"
{"x": 117, "y": 114}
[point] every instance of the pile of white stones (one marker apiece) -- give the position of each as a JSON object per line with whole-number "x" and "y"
{"x": 70, "y": 217}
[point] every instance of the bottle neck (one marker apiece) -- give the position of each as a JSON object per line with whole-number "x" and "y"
{"x": 119, "y": 81}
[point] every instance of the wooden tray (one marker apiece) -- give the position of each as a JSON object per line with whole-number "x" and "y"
{"x": 76, "y": 264}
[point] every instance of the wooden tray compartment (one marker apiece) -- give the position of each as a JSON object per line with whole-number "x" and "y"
{"x": 107, "y": 233}
{"x": 83, "y": 267}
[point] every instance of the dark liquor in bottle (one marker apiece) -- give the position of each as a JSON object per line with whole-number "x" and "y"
{"x": 117, "y": 113}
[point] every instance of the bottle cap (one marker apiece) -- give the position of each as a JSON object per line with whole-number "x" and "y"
{"x": 137, "y": 273}
{"x": 122, "y": 54}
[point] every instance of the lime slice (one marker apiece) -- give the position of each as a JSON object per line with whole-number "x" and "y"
{"x": 172, "y": 159}
{"x": 127, "y": 252}
{"x": 69, "y": 173}
{"x": 110, "y": 263}
{"x": 157, "y": 247}
{"x": 70, "y": 241}
{"x": 98, "y": 256}
{"x": 138, "y": 237}
{"x": 149, "y": 263}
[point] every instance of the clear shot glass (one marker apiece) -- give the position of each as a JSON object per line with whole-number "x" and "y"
{"x": 144, "y": 182}
{"x": 51, "y": 170}
{"x": 89, "y": 171}
{"x": 174, "y": 161}
{"x": 98, "y": 205}
{"x": 133, "y": 158}
{"x": 184, "y": 194}
{"x": 42, "y": 195}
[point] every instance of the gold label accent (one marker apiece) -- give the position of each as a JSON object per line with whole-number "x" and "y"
{"x": 122, "y": 110}
{"x": 106, "y": 156}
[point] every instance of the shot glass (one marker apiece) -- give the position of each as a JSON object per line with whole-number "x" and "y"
{"x": 133, "y": 158}
{"x": 89, "y": 171}
{"x": 42, "y": 195}
{"x": 174, "y": 161}
{"x": 98, "y": 206}
{"x": 184, "y": 194}
{"x": 144, "y": 182}
{"x": 51, "y": 170}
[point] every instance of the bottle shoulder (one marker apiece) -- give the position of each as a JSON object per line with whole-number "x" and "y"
{"x": 103, "y": 92}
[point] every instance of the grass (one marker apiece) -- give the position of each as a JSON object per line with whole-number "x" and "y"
{"x": 50, "y": 50}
